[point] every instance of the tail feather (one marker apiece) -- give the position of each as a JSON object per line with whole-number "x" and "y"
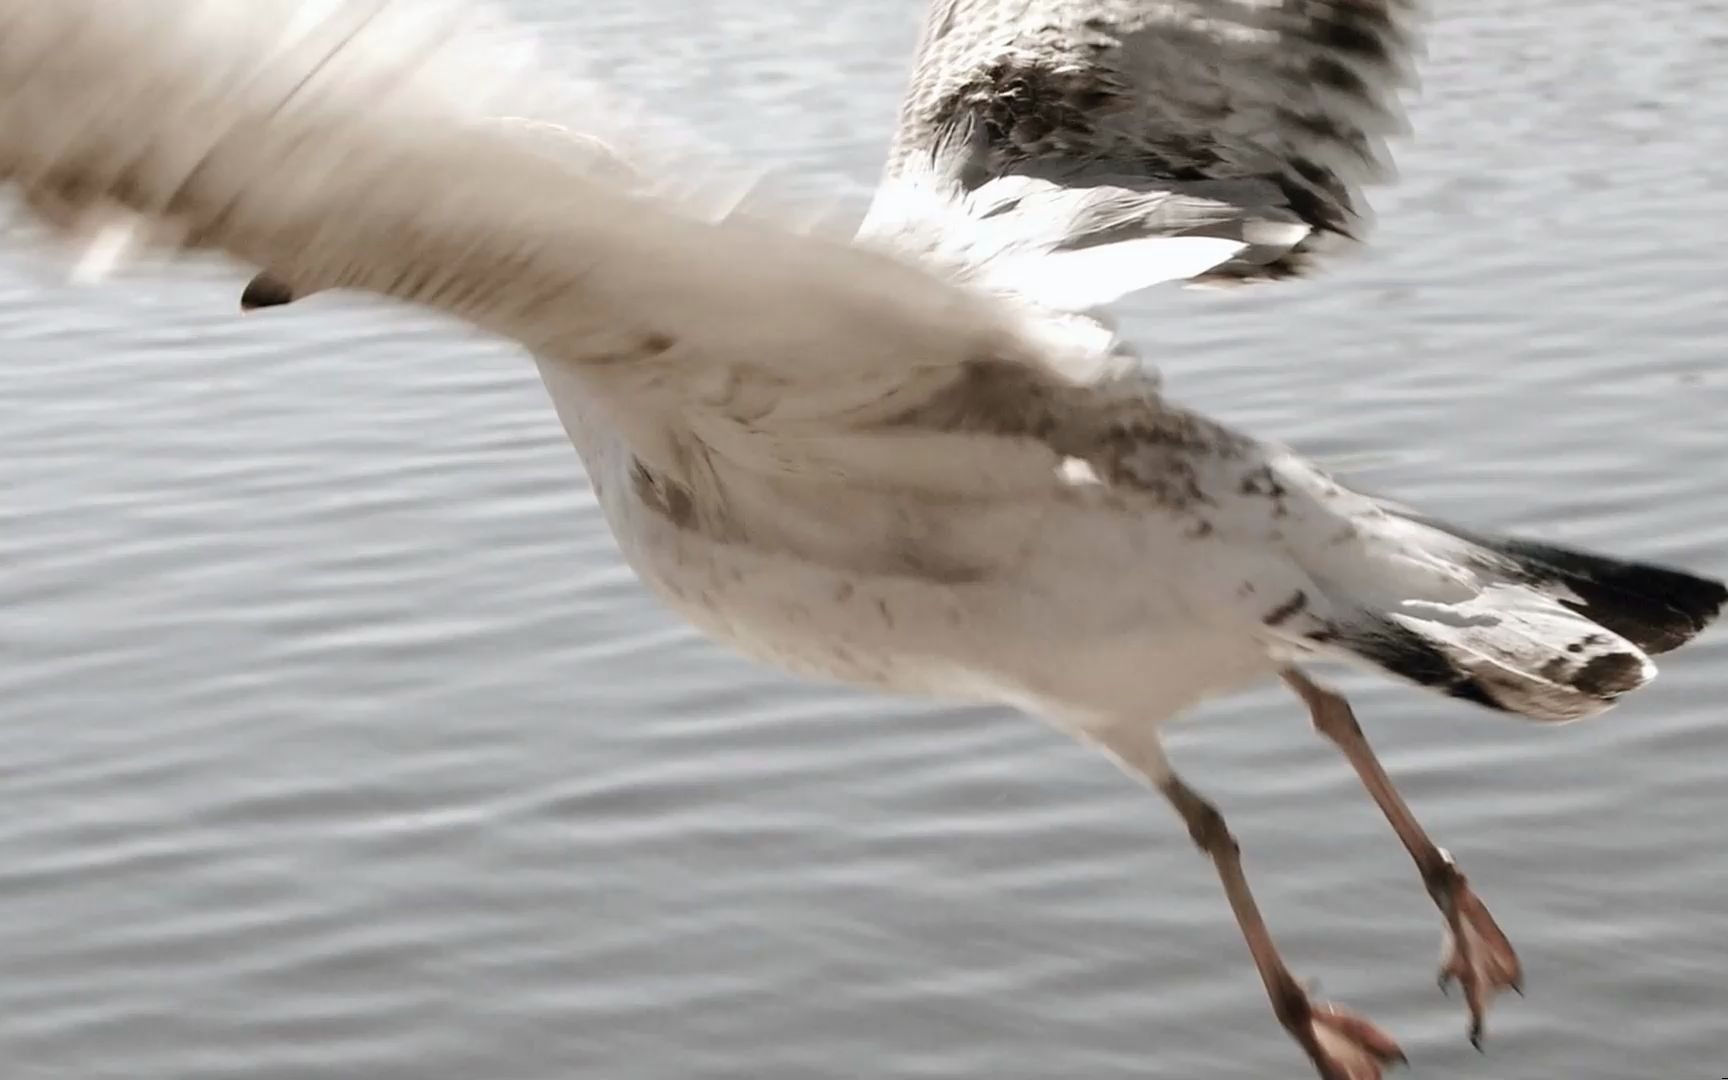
{"x": 1566, "y": 670}
{"x": 1551, "y": 634}
{"x": 1411, "y": 656}
{"x": 1654, "y": 607}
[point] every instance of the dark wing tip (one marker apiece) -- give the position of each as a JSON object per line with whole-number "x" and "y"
{"x": 1656, "y": 608}
{"x": 264, "y": 291}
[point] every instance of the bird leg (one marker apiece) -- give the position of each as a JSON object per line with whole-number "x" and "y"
{"x": 1476, "y": 953}
{"x": 1342, "y": 1045}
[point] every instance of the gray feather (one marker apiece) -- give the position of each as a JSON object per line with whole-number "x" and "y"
{"x": 1260, "y": 111}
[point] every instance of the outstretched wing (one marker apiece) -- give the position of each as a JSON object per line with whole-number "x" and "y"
{"x": 1075, "y": 125}
{"x": 356, "y": 146}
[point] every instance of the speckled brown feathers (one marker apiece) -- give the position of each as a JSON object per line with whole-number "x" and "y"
{"x": 1296, "y": 93}
{"x": 1130, "y": 437}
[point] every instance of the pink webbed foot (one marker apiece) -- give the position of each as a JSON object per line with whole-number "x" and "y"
{"x": 1351, "y": 1048}
{"x": 1343, "y": 1045}
{"x": 1476, "y": 953}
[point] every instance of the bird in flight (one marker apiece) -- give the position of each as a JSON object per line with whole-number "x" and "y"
{"x": 920, "y": 459}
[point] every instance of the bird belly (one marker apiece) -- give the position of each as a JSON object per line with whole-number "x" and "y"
{"x": 1069, "y": 633}
{"x": 1063, "y": 610}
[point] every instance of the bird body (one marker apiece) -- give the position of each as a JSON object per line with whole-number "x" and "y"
{"x": 915, "y": 593}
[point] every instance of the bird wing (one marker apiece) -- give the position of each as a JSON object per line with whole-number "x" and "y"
{"x": 1070, "y": 127}
{"x": 356, "y": 146}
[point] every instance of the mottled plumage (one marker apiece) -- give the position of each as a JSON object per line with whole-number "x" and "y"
{"x": 918, "y": 462}
{"x": 1098, "y": 121}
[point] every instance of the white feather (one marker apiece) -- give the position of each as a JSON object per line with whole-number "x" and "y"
{"x": 1077, "y": 279}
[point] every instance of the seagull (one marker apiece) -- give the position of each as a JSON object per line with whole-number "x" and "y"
{"x": 919, "y": 459}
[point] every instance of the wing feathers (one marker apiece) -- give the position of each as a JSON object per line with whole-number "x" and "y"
{"x": 1295, "y": 95}
{"x": 362, "y": 163}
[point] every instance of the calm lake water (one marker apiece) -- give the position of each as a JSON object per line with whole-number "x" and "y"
{"x": 336, "y": 741}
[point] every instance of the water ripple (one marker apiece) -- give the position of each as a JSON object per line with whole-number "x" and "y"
{"x": 339, "y": 742}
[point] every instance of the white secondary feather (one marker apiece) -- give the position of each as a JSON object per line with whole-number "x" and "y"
{"x": 1078, "y": 279}
{"x": 108, "y": 240}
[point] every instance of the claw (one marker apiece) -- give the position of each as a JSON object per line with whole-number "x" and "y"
{"x": 1342, "y": 1045}
{"x": 1476, "y": 953}
{"x": 1347, "y": 1046}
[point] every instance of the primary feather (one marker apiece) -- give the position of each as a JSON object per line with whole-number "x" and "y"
{"x": 1063, "y": 126}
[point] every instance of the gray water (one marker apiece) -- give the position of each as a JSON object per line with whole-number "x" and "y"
{"x": 335, "y": 740}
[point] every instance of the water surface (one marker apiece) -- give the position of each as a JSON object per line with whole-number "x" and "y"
{"x": 335, "y": 740}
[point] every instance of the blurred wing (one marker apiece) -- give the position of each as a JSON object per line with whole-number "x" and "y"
{"x": 357, "y": 146}
{"x": 1063, "y": 126}
{"x": 372, "y": 144}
